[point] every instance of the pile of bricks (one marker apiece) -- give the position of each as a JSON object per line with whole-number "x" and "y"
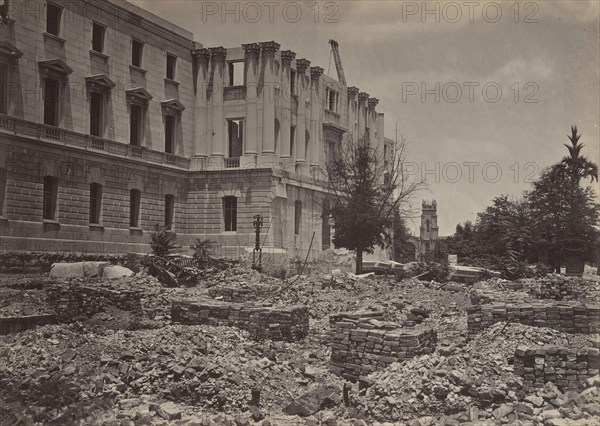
{"x": 362, "y": 344}
{"x": 488, "y": 295}
{"x": 571, "y": 317}
{"x": 568, "y": 368}
{"x": 556, "y": 289}
{"x": 276, "y": 323}
{"x": 71, "y": 301}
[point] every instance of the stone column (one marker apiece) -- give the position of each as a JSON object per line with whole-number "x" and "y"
{"x": 303, "y": 94}
{"x": 269, "y": 48}
{"x": 201, "y": 58}
{"x": 362, "y": 118}
{"x": 352, "y": 113}
{"x": 251, "y": 52}
{"x": 219, "y": 140}
{"x": 372, "y": 121}
{"x": 316, "y": 110}
{"x": 287, "y": 56}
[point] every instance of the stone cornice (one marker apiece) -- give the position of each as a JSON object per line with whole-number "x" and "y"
{"x": 201, "y": 55}
{"x": 251, "y": 48}
{"x": 316, "y": 72}
{"x": 302, "y": 64}
{"x": 218, "y": 53}
{"x": 123, "y": 14}
{"x": 363, "y": 96}
{"x": 353, "y": 91}
{"x": 373, "y": 102}
{"x": 269, "y": 47}
{"x": 287, "y": 56}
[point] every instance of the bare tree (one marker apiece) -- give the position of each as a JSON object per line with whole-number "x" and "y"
{"x": 369, "y": 187}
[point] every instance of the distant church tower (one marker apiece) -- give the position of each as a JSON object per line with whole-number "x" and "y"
{"x": 429, "y": 229}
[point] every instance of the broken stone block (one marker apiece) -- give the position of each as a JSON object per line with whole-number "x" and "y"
{"x": 313, "y": 401}
{"x": 169, "y": 411}
{"x": 503, "y": 411}
{"x": 116, "y": 271}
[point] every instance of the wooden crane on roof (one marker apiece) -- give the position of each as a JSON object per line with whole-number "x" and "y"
{"x": 338, "y": 61}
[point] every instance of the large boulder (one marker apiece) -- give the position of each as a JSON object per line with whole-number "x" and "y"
{"x": 76, "y": 269}
{"x": 315, "y": 400}
{"x": 116, "y": 271}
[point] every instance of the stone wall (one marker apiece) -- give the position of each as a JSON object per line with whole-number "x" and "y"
{"x": 362, "y": 343}
{"x": 71, "y": 301}
{"x": 565, "y": 367}
{"x": 571, "y": 317}
{"x": 263, "y": 322}
{"x": 15, "y": 324}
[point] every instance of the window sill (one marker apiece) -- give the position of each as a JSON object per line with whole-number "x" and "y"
{"x": 61, "y": 40}
{"x": 229, "y": 232}
{"x": 173, "y": 82}
{"x": 50, "y": 225}
{"x": 99, "y": 55}
{"x": 138, "y": 69}
{"x": 329, "y": 111}
{"x": 96, "y": 226}
{"x": 3, "y": 220}
{"x": 135, "y": 230}
{"x": 51, "y": 222}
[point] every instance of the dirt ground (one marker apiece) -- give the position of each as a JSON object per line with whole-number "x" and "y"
{"x": 117, "y": 368}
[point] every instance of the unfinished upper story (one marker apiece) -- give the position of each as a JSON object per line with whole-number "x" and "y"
{"x": 109, "y": 77}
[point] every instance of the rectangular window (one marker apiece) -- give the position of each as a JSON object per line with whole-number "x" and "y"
{"x": 98, "y": 32}
{"x": 235, "y": 129}
{"x": 4, "y": 88}
{"x": 53, "y": 16}
{"x": 332, "y": 97}
{"x": 51, "y": 97}
{"x": 96, "y": 114}
{"x": 136, "y": 53}
{"x": 292, "y": 140}
{"x": 95, "y": 202}
{"x": 297, "y": 216}
{"x": 135, "y": 197}
{"x": 170, "y": 134}
{"x": 236, "y": 73}
{"x": 135, "y": 125}
{"x": 171, "y": 63}
{"x": 293, "y": 82}
{"x": 50, "y": 196}
{"x": 230, "y": 213}
{"x": 169, "y": 211}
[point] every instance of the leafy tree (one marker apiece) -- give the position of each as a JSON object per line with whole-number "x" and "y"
{"x": 368, "y": 191}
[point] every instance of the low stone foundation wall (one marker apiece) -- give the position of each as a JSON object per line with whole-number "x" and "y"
{"x": 567, "y": 368}
{"x": 71, "y": 301}
{"x": 571, "y": 317}
{"x": 9, "y": 325}
{"x": 362, "y": 344}
{"x": 230, "y": 294}
{"x": 263, "y": 322}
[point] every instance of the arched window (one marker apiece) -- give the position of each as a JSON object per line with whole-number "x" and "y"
{"x": 135, "y": 198}
{"x": 297, "y": 216}
{"x": 95, "y": 203}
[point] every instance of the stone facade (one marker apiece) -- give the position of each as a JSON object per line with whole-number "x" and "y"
{"x": 110, "y": 96}
{"x": 568, "y": 368}
{"x": 263, "y": 322}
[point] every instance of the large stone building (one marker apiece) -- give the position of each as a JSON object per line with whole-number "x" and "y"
{"x": 115, "y": 123}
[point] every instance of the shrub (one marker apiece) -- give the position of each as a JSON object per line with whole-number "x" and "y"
{"x": 162, "y": 243}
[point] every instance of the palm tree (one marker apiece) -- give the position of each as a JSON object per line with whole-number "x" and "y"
{"x": 576, "y": 165}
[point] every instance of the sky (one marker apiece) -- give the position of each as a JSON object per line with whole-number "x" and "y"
{"x": 484, "y": 92}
